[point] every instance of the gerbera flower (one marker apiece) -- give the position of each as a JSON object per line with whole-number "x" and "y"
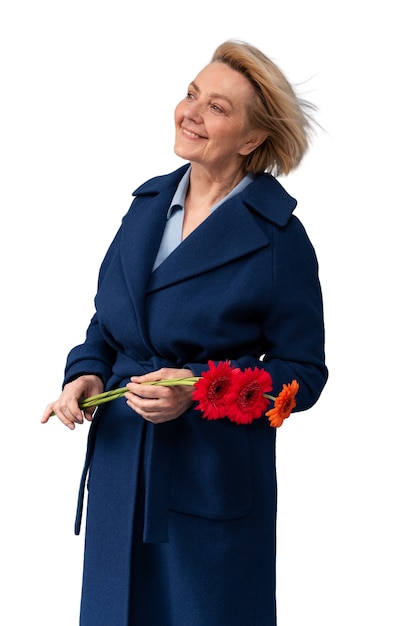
{"x": 283, "y": 405}
{"x": 246, "y": 399}
{"x": 212, "y": 388}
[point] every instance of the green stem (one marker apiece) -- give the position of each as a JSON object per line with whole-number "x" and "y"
{"x": 272, "y": 398}
{"x": 114, "y": 394}
{"x": 101, "y": 398}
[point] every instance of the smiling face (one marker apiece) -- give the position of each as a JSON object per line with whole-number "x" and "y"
{"x": 212, "y": 127}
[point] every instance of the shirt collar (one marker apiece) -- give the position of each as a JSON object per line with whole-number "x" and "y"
{"x": 179, "y": 197}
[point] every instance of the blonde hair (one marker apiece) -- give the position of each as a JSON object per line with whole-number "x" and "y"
{"x": 275, "y": 109}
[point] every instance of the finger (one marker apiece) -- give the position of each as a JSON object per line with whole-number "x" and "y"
{"x": 146, "y": 378}
{"x": 140, "y": 403}
{"x": 90, "y": 412}
{"x": 147, "y": 391}
{"x": 150, "y": 377}
{"x": 148, "y": 408}
{"x": 47, "y": 414}
{"x": 64, "y": 420}
{"x": 70, "y": 414}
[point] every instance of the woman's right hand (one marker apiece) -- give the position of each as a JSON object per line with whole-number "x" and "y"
{"x": 66, "y": 406}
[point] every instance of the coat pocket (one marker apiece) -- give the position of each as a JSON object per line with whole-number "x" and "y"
{"x": 211, "y": 468}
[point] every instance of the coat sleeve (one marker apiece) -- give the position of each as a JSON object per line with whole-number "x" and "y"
{"x": 293, "y": 337}
{"x": 96, "y": 355}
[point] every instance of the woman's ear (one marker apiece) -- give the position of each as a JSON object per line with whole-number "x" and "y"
{"x": 256, "y": 139}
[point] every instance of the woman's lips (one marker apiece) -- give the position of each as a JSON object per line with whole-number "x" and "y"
{"x": 191, "y": 134}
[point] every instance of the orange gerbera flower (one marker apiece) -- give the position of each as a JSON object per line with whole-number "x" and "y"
{"x": 283, "y": 404}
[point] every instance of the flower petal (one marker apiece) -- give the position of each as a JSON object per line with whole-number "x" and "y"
{"x": 283, "y": 405}
{"x": 212, "y": 389}
{"x": 247, "y": 401}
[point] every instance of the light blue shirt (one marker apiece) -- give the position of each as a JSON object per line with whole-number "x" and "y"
{"x": 175, "y": 214}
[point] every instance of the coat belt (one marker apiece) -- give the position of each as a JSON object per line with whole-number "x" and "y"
{"x": 156, "y": 461}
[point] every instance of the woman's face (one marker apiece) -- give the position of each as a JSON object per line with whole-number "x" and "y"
{"x": 211, "y": 122}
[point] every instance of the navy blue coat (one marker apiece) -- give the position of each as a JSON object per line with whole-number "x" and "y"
{"x": 180, "y": 527}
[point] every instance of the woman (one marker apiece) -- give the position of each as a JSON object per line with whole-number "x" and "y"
{"x": 209, "y": 264}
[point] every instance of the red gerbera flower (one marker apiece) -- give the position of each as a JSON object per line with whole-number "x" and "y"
{"x": 283, "y": 405}
{"x": 246, "y": 399}
{"x": 211, "y": 390}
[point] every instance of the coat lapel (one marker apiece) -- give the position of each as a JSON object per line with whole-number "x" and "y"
{"x": 141, "y": 234}
{"x": 142, "y": 230}
{"x": 229, "y": 233}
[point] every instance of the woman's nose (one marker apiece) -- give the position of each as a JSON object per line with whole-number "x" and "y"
{"x": 194, "y": 111}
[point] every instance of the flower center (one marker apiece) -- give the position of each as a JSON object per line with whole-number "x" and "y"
{"x": 248, "y": 393}
{"x": 217, "y": 389}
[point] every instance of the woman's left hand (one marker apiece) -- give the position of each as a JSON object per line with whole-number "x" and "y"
{"x": 157, "y": 403}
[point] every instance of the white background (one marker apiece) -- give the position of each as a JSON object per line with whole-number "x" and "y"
{"x": 88, "y": 90}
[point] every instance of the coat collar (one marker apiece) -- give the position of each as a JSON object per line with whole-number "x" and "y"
{"x": 231, "y": 232}
{"x": 265, "y": 195}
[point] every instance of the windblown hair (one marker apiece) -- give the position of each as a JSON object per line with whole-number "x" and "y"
{"x": 275, "y": 109}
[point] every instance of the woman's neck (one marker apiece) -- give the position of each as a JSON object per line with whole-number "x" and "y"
{"x": 207, "y": 188}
